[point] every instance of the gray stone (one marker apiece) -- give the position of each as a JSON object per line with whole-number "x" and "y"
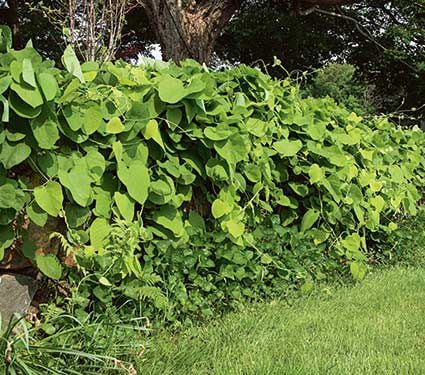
{"x": 16, "y": 294}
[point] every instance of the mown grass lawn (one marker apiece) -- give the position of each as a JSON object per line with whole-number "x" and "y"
{"x": 376, "y": 327}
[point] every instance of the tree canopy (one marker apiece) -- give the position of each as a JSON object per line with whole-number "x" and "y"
{"x": 384, "y": 39}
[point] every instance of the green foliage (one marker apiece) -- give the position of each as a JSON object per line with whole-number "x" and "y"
{"x": 209, "y": 162}
{"x": 339, "y": 81}
{"x": 207, "y": 274}
{"x": 115, "y": 273}
{"x": 5, "y": 38}
{"x": 49, "y": 265}
{"x": 405, "y": 243}
{"x": 383, "y": 39}
{"x": 63, "y": 344}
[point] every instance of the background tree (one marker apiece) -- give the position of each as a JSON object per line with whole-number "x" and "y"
{"x": 384, "y": 39}
{"x": 93, "y": 27}
{"x": 190, "y": 28}
{"x": 340, "y": 82}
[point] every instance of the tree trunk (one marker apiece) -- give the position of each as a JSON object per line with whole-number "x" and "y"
{"x": 189, "y": 30}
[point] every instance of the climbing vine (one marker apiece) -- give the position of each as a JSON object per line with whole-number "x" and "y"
{"x": 186, "y": 152}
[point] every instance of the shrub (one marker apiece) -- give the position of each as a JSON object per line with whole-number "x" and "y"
{"x": 223, "y": 185}
{"x": 339, "y": 82}
{"x": 403, "y": 246}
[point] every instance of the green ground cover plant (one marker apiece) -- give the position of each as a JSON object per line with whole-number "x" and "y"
{"x": 312, "y": 326}
{"x": 189, "y": 190}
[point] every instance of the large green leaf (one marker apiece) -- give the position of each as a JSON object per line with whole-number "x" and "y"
{"x": 378, "y": 202}
{"x": 358, "y": 270}
{"x": 90, "y": 70}
{"x": 30, "y": 95}
{"x": 96, "y": 164}
{"x": 218, "y": 133}
{"x": 73, "y": 117}
{"x": 171, "y": 90}
{"x": 253, "y": 172}
{"x": 287, "y": 148}
{"x": 234, "y": 149}
{"x": 136, "y": 179}
{"x": 151, "y": 130}
{"x": 7, "y": 215}
{"x": 48, "y": 84}
{"x": 11, "y": 196}
{"x": 352, "y": 243}
{"x": 355, "y": 194}
{"x": 300, "y": 189}
{"x": 21, "y": 108}
{"x": 333, "y": 186}
{"x": 396, "y": 174}
{"x": 217, "y": 170}
{"x": 92, "y": 120}
{"x": 5, "y": 83}
{"x": 174, "y": 117}
{"x": 5, "y": 38}
{"x": 76, "y": 216}
{"x": 162, "y": 186}
{"x": 7, "y": 195}
{"x": 220, "y": 208}
{"x": 46, "y": 133}
{"x": 125, "y": 205}
{"x": 28, "y": 74}
{"x": 103, "y": 203}
{"x": 115, "y": 126}
{"x": 235, "y": 228}
{"x": 49, "y": 197}
{"x": 170, "y": 218}
{"x": 316, "y": 173}
{"x": 99, "y": 231}
{"x": 50, "y": 265}
{"x": 14, "y": 154}
{"x": 15, "y": 69}
{"x": 309, "y": 219}
{"x": 71, "y": 63}
{"x": 78, "y": 182}
{"x": 48, "y": 162}
{"x": 337, "y": 157}
{"x": 256, "y": 127}
{"x": 37, "y": 215}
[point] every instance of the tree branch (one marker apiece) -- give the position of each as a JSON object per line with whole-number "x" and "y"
{"x": 363, "y": 31}
{"x": 306, "y": 7}
{"x": 230, "y": 8}
{"x": 329, "y": 2}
